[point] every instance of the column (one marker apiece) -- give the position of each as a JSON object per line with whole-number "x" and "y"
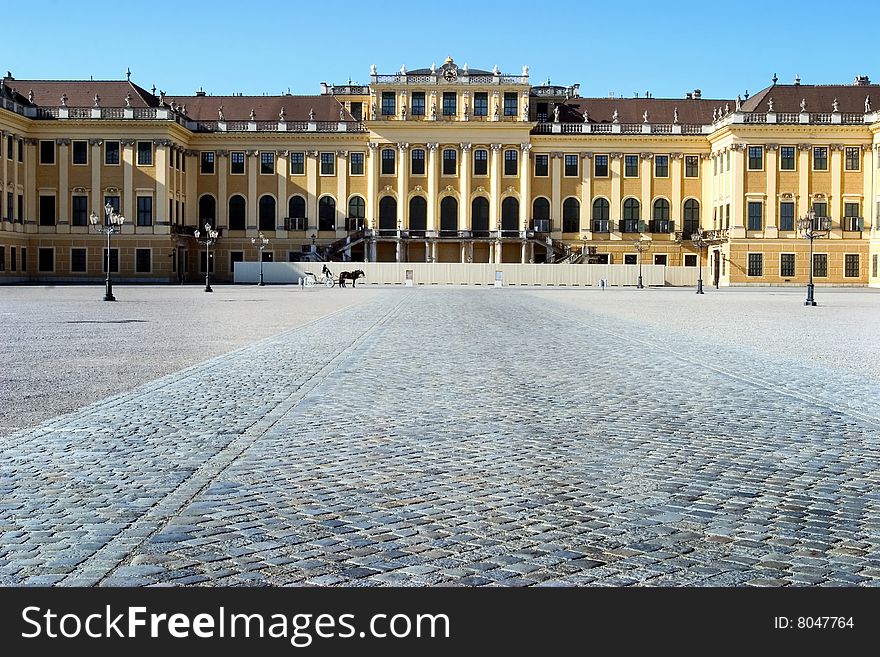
{"x": 586, "y": 192}
{"x": 868, "y": 195}
{"x": 372, "y": 190}
{"x": 525, "y": 189}
{"x": 556, "y": 191}
{"x": 737, "y": 210}
{"x": 771, "y": 227}
{"x": 281, "y": 195}
{"x": 252, "y": 202}
{"x": 616, "y": 210}
{"x": 465, "y": 196}
{"x": 494, "y": 187}
{"x": 97, "y": 200}
{"x": 63, "y": 181}
{"x": 161, "y": 179}
{"x": 192, "y": 192}
{"x": 312, "y": 188}
{"x": 30, "y": 180}
{"x": 222, "y": 201}
{"x": 675, "y": 213}
{"x": 708, "y": 201}
{"x": 645, "y": 161}
{"x": 803, "y": 204}
{"x": 433, "y": 177}
{"x": 341, "y": 192}
{"x": 5, "y": 188}
{"x": 834, "y": 198}
{"x": 15, "y": 216}
{"x": 402, "y": 187}
{"x": 127, "y": 180}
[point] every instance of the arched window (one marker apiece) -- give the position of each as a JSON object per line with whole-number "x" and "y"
{"x": 327, "y": 213}
{"x": 631, "y": 216}
{"x": 541, "y": 215}
{"x": 267, "y": 212}
{"x": 691, "y": 217}
{"x": 601, "y": 209}
{"x": 660, "y": 217}
{"x": 480, "y": 215}
{"x": 207, "y": 210}
{"x": 510, "y": 214}
{"x": 571, "y": 211}
{"x": 237, "y": 212}
{"x": 296, "y": 213}
{"x": 388, "y": 213}
{"x": 357, "y": 210}
{"x": 418, "y": 214}
{"x": 448, "y": 215}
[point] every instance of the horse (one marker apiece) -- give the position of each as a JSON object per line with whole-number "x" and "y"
{"x": 351, "y": 276}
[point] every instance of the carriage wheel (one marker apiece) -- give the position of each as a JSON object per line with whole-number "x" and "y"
{"x": 329, "y": 282}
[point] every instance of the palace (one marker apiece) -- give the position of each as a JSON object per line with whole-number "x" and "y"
{"x": 440, "y": 164}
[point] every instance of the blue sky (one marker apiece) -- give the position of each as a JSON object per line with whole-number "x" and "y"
{"x": 255, "y": 47}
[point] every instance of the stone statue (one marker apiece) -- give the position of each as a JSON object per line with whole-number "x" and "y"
{"x": 867, "y": 104}
{"x": 645, "y": 117}
{"x": 220, "y": 113}
{"x": 311, "y": 114}
{"x": 372, "y": 69}
{"x": 739, "y": 104}
{"x": 714, "y": 114}
{"x": 403, "y": 70}
{"x": 525, "y": 71}
{"x": 803, "y": 104}
{"x": 403, "y": 111}
{"x": 496, "y": 109}
{"x": 466, "y": 110}
{"x": 835, "y": 106}
{"x": 726, "y": 109}
{"x": 770, "y": 105}
{"x": 128, "y": 99}
{"x": 253, "y": 115}
{"x": 433, "y": 110}
{"x": 183, "y": 109}
{"x": 525, "y": 110}
{"x": 586, "y": 116}
{"x": 97, "y": 100}
{"x": 161, "y": 97}
{"x": 342, "y": 114}
{"x": 675, "y": 116}
{"x": 556, "y": 114}
{"x": 64, "y": 100}
{"x": 31, "y": 96}
{"x": 615, "y": 117}
{"x": 373, "y": 112}
{"x": 496, "y": 70}
{"x": 433, "y": 67}
{"x": 281, "y": 114}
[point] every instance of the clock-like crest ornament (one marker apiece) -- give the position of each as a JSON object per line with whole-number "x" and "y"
{"x": 450, "y": 75}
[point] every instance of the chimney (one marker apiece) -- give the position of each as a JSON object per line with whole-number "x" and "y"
{"x": 862, "y": 81}
{"x": 689, "y": 95}
{"x": 201, "y": 92}
{"x": 698, "y": 94}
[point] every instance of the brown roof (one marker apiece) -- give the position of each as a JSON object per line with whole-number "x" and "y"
{"x": 266, "y": 108}
{"x": 632, "y": 110}
{"x": 81, "y": 93}
{"x": 820, "y": 98}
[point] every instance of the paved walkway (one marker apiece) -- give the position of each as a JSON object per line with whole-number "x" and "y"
{"x": 468, "y": 437}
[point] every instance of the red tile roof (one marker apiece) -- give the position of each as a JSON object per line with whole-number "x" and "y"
{"x": 819, "y": 98}
{"x": 81, "y": 93}
{"x": 632, "y": 110}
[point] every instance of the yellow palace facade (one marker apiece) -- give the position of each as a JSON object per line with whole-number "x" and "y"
{"x": 440, "y": 164}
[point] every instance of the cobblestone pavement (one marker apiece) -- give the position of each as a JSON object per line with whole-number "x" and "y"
{"x": 445, "y": 437}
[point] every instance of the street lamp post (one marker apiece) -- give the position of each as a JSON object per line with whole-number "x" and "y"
{"x": 112, "y": 225}
{"x": 700, "y": 239}
{"x": 261, "y": 242}
{"x": 810, "y": 227}
{"x": 641, "y": 245}
{"x": 210, "y": 238}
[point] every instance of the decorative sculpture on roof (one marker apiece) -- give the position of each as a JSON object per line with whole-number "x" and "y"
{"x": 726, "y": 109}
{"x": 433, "y": 67}
{"x": 645, "y": 116}
{"x": 835, "y": 106}
{"x": 403, "y": 70}
{"x": 220, "y": 113}
{"x": 342, "y": 114}
{"x": 556, "y": 114}
{"x": 525, "y": 71}
{"x": 253, "y": 114}
{"x": 615, "y": 117}
{"x": 803, "y": 104}
{"x": 496, "y": 70}
{"x": 373, "y": 112}
{"x": 282, "y": 114}
{"x": 867, "y": 104}
{"x": 128, "y": 99}
{"x": 97, "y": 100}
{"x": 161, "y": 97}
{"x": 739, "y": 104}
{"x": 63, "y": 100}
{"x": 714, "y": 114}
{"x": 372, "y": 69}
{"x": 675, "y": 116}
{"x": 586, "y": 116}
{"x": 770, "y": 104}
{"x": 311, "y": 114}
{"x": 31, "y": 96}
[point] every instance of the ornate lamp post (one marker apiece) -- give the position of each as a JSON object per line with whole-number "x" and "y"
{"x": 810, "y": 227}
{"x": 209, "y": 239}
{"x": 641, "y": 245}
{"x": 700, "y": 239}
{"x": 112, "y": 225}
{"x": 261, "y": 242}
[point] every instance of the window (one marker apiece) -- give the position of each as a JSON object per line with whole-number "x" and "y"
{"x": 235, "y": 256}
{"x": 660, "y": 259}
{"x": 600, "y": 215}
{"x": 571, "y": 211}
{"x": 10, "y": 205}
{"x": 114, "y": 261}
{"x": 47, "y": 152}
{"x": 821, "y": 209}
{"x": 661, "y": 166}
{"x": 630, "y": 259}
{"x": 820, "y": 264}
{"x": 142, "y": 264}
{"x": 481, "y": 103}
{"x": 20, "y": 208}
{"x": 267, "y": 162}
{"x": 80, "y": 152}
{"x": 207, "y": 209}
{"x": 145, "y": 153}
{"x": 691, "y": 217}
{"x": 820, "y": 158}
{"x": 296, "y": 211}
{"x": 10, "y": 147}
{"x": 207, "y": 160}
{"x": 571, "y": 165}
{"x": 202, "y": 258}
{"x": 786, "y": 158}
{"x": 356, "y": 164}
{"x": 690, "y": 260}
{"x": 418, "y": 103}
{"x": 600, "y": 166}
{"x": 542, "y": 165}
{"x": 851, "y": 265}
{"x": 756, "y": 264}
{"x": 79, "y": 211}
{"x": 786, "y": 265}
{"x": 111, "y": 152}
{"x": 786, "y": 215}
{"x": 850, "y": 209}
{"x": 357, "y": 111}
{"x": 631, "y": 216}
{"x": 691, "y": 166}
{"x": 417, "y": 162}
{"x": 480, "y": 214}
{"x": 389, "y": 104}
{"x": 328, "y": 164}
{"x": 875, "y": 265}
{"x": 2, "y": 258}
{"x": 46, "y": 259}
{"x": 756, "y": 216}
{"x": 357, "y": 210}
{"x": 449, "y": 162}
{"x": 510, "y": 163}
{"x": 12, "y": 262}
{"x": 21, "y": 152}
{"x": 510, "y": 103}
{"x": 327, "y": 213}
{"x": 47, "y": 210}
{"x": 449, "y": 103}
{"x": 114, "y": 203}
{"x": 756, "y": 158}
{"x": 236, "y": 163}
{"x": 297, "y": 164}
{"x": 387, "y": 162}
{"x": 660, "y": 217}
{"x": 481, "y": 162}
{"x": 851, "y": 160}
{"x": 631, "y": 166}
{"x": 266, "y": 212}
{"x": 144, "y": 210}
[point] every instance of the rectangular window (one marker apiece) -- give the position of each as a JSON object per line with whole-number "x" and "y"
{"x": 114, "y": 203}
{"x": 13, "y": 263}
{"x": 356, "y": 164}
{"x": 851, "y": 265}
{"x": 111, "y": 152}
{"x": 236, "y": 162}
{"x": 690, "y": 260}
{"x": 21, "y": 150}
{"x": 821, "y": 209}
{"x": 80, "y": 152}
{"x": 267, "y": 162}
{"x": 297, "y": 164}
{"x": 820, "y": 264}
{"x": 207, "y": 161}
{"x": 786, "y": 215}
{"x": 46, "y": 259}
{"x": 851, "y": 160}
{"x": 2, "y": 258}
{"x": 661, "y": 166}
{"x": 571, "y": 166}
{"x": 786, "y": 158}
{"x": 10, "y": 205}
{"x": 630, "y": 259}
{"x": 786, "y": 265}
{"x": 820, "y": 158}
{"x": 542, "y": 165}
{"x": 20, "y": 208}
{"x": 357, "y": 111}
{"x": 756, "y": 216}
{"x": 47, "y": 210}
{"x": 10, "y": 147}
{"x": 79, "y": 211}
{"x": 481, "y": 103}
{"x": 510, "y": 163}
{"x": 756, "y": 264}
{"x": 600, "y": 166}
{"x": 387, "y": 162}
{"x": 328, "y": 164}
{"x": 389, "y": 103}
{"x": 691, "y": 166}
{"x": 850, "y": 209}
{"x": 145, "y": 153}
{"x": 418, "y": 103}
{"x": 144, "y": 210}
{"x": 142, "y": 264}
{"x": 449, "y": 162}
{"x": 481, "y": 162}
{"x": 47, "y": 152}
{"x": 417, "y": 162}
{"x": 510, "y": 103}
{"x": 631, "y": 166}
{"x": 756, "y": 158}
{"x": 114, "y": 261}
{"x": 875, "y": 265}
{"x": 202, "y": 261}
{"x": 660, "y": 259}
{"x": 449, "y": 103}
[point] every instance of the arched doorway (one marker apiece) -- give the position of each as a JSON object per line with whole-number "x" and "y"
{"x": 449, "y": 215}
